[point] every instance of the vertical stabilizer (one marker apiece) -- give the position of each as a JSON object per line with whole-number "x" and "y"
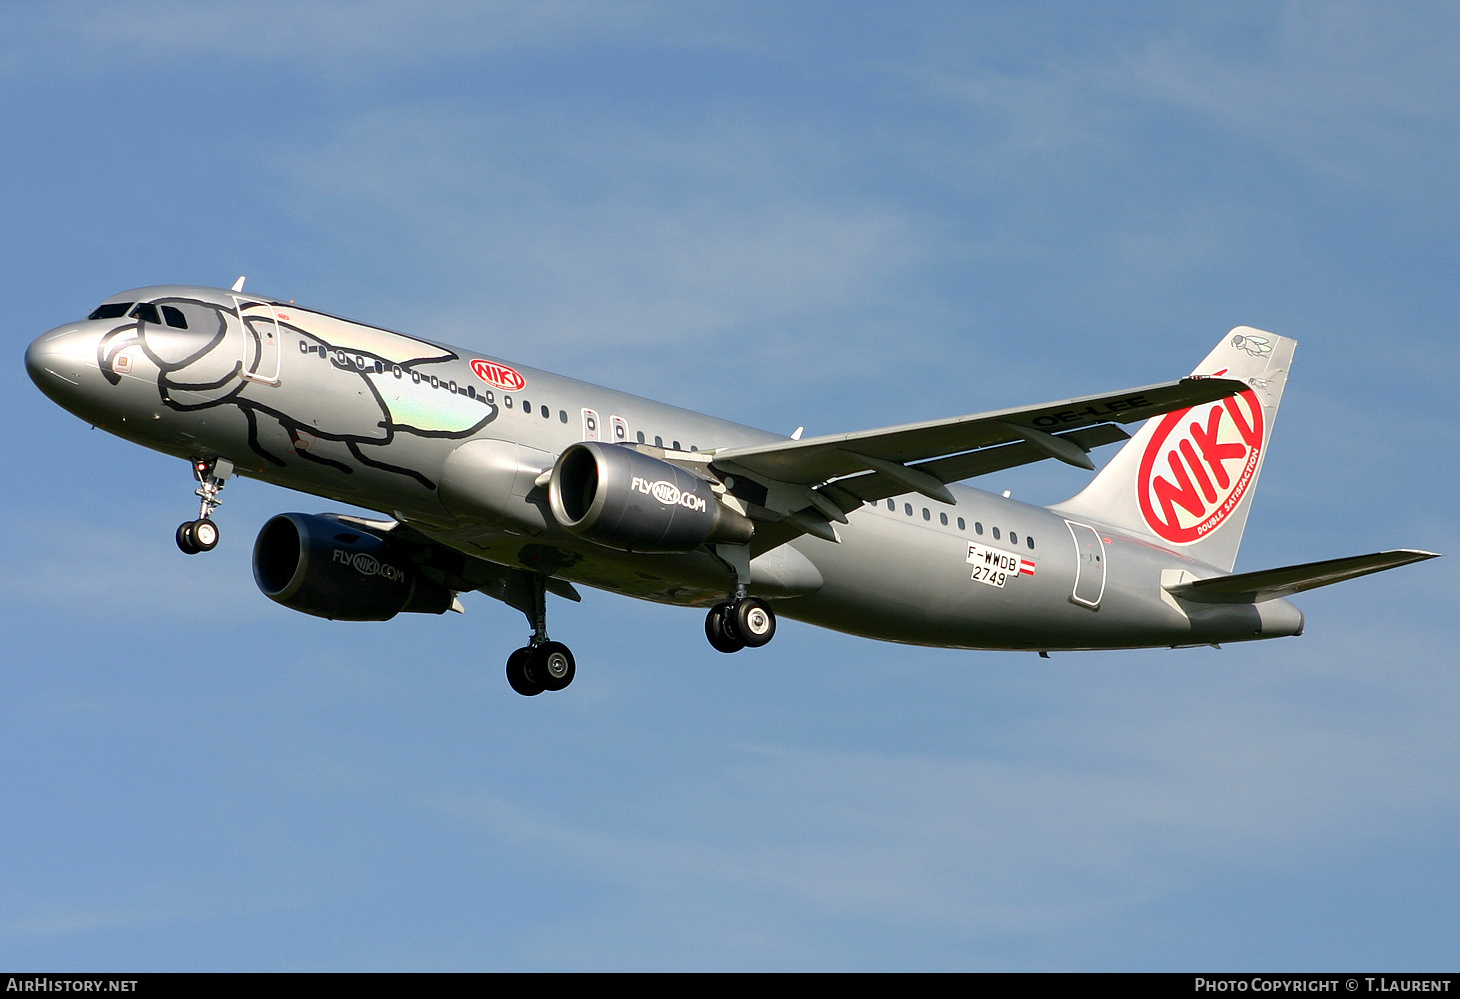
{"x": 1187, "y": 478}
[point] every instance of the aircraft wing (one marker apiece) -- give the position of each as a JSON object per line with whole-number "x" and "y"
{"x": 818, "y": 480}
{"x": 818, "y": 459}
{"x": 1266, "y": 584}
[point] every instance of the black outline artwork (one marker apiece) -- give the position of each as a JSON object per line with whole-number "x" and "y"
{"x": 351, "y": 360}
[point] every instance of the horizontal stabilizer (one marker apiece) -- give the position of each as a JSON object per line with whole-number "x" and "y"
{"x": 1267, "y": 584}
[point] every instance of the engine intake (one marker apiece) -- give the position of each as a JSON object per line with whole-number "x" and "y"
{"x": 621, "y": 498}
{"x": 338, "y": 570}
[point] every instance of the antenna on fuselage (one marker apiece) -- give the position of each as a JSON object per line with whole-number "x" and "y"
{"x": 238, "y": 285}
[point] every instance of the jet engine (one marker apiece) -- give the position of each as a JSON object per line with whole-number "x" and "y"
{"x": 621, "y": 498}
{"x": 338, "y": 570}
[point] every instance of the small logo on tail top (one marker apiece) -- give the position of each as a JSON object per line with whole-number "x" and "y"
{"x": 1257, "y": 346}
{"x": 1199, "y": 464}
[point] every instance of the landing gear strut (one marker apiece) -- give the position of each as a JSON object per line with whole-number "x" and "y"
{"x": 741, "y": 621}
{"x": 201, "y": 535}
{"x": 540, "y": 664}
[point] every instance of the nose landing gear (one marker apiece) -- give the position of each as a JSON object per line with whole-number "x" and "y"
{"x": 201, "y": 535}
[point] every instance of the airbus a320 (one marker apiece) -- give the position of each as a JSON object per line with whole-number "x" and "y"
{"x": 492, "y": 476}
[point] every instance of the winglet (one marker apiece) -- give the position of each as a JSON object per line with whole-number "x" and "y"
{"x": 238, "y": 285}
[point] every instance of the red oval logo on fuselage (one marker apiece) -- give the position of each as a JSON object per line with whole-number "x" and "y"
{"x": 1198, "y": 466}
{"x": 499, "y": 375}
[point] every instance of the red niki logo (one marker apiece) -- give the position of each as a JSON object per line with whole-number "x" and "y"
{"x": 1198, "y": 465}
{"x": 498, "y": 374}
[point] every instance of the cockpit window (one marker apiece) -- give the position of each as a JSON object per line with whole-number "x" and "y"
{"x": 147, "y": 313}
{"x": 174, "y": 317}
{"x": 112, "y": 311}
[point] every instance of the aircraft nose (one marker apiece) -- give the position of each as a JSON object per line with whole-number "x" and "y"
{"x": 55, "y": 361}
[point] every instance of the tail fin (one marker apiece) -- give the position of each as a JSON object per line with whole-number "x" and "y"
{"x": 1187, "y": 478}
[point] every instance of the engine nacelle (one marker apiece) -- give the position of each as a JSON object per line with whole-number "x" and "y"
{"x": 621, "y": 498}
{"x": 334, "y": 569}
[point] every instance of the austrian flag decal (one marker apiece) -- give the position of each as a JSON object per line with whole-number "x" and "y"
{"x": 500, "y": 375}
{"x": 1198, "y": 466}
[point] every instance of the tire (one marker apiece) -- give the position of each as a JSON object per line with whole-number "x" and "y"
{"x": 184, "y": 538}
{"x": 518, "y": 676}
{"x": 552, "y": 665}
{"x": 204, "y": 535}
{"x": 721, "y": 640}
{"x": 755, "y": 622}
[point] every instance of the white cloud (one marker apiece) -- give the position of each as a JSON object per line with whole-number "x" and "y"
{"x": 326, "y": 36}
{"x": 1360, "y": 91}
{"x": 538, "y": 240}
{"x": 1127, "y": 792}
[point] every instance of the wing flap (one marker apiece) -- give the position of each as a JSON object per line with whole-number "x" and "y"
{"x": 1267, "y": 584}
{"x": 870, "y": 487}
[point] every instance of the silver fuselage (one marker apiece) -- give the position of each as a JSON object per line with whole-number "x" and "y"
{"x": 370, "y": 417}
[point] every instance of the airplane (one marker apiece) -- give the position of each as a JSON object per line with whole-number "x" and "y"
{"x": 492, "y": 476}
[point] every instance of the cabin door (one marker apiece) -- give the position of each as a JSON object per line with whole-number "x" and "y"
{"x": 1089, "y": 565}
{"x": 262, "y": 334}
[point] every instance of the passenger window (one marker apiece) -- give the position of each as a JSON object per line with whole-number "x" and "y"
{"x": 526, "y": 407}
{"x": 1029, "y": 541}
{"x": 146, "y": 312}
{"x": 114, "y": 311}
{"x": 658, "y": 441}
{"x": 546, "y": 413}
{"x": 676, "y": 445}
{"x": 1013, "y": 538}
{"x": 996, "y": 534}
{"x": 961, "y": 525}
{"x": 926, "y": 514}
{"x": 174, "y": 317}
{"x": 907, "y": 509}
{"x": 892, "y": 505}
{"x": 507, "y": 401}
{"x": 640, "y": 435}
{"x": 977, "y": 527}
{"x": 562, "y": 416}
{"x": 943, "y": 519}
{"x": 491, "y": 397}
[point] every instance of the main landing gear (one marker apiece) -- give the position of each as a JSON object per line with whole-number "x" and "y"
{"x": 747, "y": 622}
{"x": 201, "y": 535}
{"x": 741, "y": 621}
{"x": 540, "y": 664}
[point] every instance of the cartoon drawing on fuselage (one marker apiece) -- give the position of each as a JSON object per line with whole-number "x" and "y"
{"x": 517, "y": 483}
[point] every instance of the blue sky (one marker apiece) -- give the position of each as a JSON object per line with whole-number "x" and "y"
{"x": 832, "y": 215}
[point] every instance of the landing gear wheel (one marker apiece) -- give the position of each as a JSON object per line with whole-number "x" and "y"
{"x": 197, "y": 536}
{"x": 520, "y": 677}
{"x": 552, "y": 665}
{"x": 204, "y": 534}
{"x": 717, "y": 630}
{"x": 185, "y": 541}
{"x": 754, "y": 621}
